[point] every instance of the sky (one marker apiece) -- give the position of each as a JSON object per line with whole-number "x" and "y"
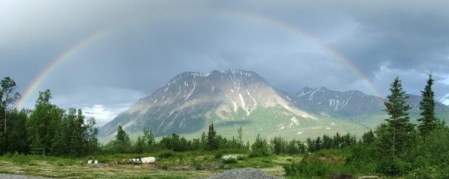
{"x": 103, "y": 55}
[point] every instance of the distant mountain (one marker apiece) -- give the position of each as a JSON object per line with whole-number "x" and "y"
{"x": 347, "y": 105}
{"x": 441, "y": 110}
{"x": 191, "y": 101}
{"x": 230, "y": 99}
{"x": 355, "y": 106}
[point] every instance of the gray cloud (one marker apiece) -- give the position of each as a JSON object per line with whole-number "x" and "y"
{"x": 293, "y": 44}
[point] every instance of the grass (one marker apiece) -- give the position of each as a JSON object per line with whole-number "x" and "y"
{"x": 177, "y": 166}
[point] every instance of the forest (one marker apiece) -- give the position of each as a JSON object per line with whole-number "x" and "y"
{"x": 396, "y": 148}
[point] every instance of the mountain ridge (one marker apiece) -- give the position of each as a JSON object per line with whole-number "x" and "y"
{"x": 190, "y": 101}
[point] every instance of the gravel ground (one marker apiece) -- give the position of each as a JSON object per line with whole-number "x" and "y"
{"x": 11, "y": 176}
{"x": 243, "y": 173}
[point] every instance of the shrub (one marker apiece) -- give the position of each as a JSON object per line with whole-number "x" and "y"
{"x": 391, "y": 167}
{"x": 421, "y": 173}
{"x": 309, "y": 169}
{"x": 167, "y": 154}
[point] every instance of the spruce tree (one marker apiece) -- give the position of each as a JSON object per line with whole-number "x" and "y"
{"x": 140, "y": 145}
{"x": 122, "y": 142}
{"x": 212, "y": 143}
{"x": 427, "y": 105}
{"x": 399, "y": 127}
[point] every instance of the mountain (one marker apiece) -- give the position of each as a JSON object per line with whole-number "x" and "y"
{"x": 191, "y": 101}
{"x": 355, "y": 106}
{"x": 230, "y": 99}
{"x": 350, "y": 105}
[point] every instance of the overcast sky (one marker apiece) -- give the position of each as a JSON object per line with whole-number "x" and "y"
{"x": 120, "y": 51}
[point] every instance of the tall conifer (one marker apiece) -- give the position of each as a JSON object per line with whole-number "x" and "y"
{"x": 399, "y": 127}
{"x": 427, "y": 107}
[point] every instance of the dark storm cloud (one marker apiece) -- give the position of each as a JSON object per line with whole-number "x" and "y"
{"x": 292, "y": 44}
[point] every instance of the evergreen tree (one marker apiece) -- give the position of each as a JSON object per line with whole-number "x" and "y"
{"x": 310, "y": 145}
{"x": 140, "y": 145}
{"x": 399, "y": 127}
{"x": 279, "y": 145}
{"x": 60, "y": 140}
{"x": 212, "y": 143}
{"x": 76, "y": 132}
{"x": 17, "y": 132}
{"x": 122, "y": 142}
{"x": 240, "y": 137}
{"x": 427, "y": 106}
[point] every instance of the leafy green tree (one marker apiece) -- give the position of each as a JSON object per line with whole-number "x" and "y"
{"x": 76, "y": 133}
{"x": 399, "y": 128}
{"x": 91, "y": 136}
{"x": 318, "y": 144}
{"x": 295, "y": 147}
{"x": 259, "y": 147}
{"x": 368, "y": 138}
{"x": 427, "y": 106}
{"x": 8, "y": 96}
{"x": 148, "y": 138}
{"x": 42, "y": 125}
{"x": 279, "y": 145}
{"x": 327, "y": 142}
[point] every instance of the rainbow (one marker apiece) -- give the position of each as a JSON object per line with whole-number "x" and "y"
{"x": 227, "y": 13}
{"x": 295, "y": 30}
{"x": 57, "y": 62}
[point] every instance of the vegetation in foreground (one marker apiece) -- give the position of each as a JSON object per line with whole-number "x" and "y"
{"x": 48, "y": 141}
{"x": 169, "y": 165}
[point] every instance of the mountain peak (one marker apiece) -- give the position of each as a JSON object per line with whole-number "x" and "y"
{"x": 191, "y": 100}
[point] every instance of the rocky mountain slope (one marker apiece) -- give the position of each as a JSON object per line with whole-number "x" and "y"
{"x": 347, "y": 105}
{"x": 191, "y": 101}
{"x": 230, "y": 99}
{"x": 355, "y": 106}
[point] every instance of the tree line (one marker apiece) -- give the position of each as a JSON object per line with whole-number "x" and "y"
{"x": 399, "y": 146}
{"x": 47, "y": 129}
{"x": 396, "y": 147}
{"x": 50, "y": 130}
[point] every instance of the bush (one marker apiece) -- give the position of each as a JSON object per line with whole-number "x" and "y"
{"x": 311, "y": 168}
{"x": 263, "y": 152}
{"x": 167, "y": 154}
{"x": 421, "y": 173}
{"x": 218, "y": 155}
{"x": 392, "y": 167}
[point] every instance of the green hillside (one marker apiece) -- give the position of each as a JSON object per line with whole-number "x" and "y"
{"x": 268, "y": 123}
